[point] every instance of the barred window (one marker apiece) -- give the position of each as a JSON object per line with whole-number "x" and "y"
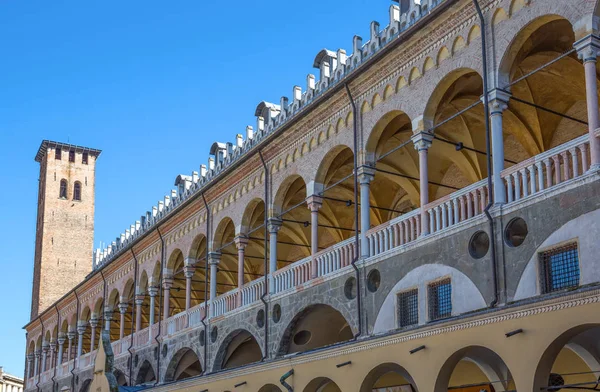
{"x": 71, "y": 156}
{"x": 57, "y": 153}
{"x": 559, "y": 268}
{"x": 440, "y": 299}
{"x": 408, "y": 308}
{"x": 84, "y": 158}
{"x": 77, "y": 191}
{"x": 63, "y": 189}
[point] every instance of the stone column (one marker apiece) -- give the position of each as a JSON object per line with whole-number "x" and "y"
{"x": 587, "y": 49}
{"x": 61, "y": 344}
{"x": 422, "y": 142}
{"x": 152, "y": 292}
{"x": 123, "y": 306}
{"x": 166, "y": 285}
{"x": 108, "y": 315}
{"x": 274, "y": 227}
{"x": 240, "y": 242}
{"x": 45, "y": 348}
{"x": 188, "y": 271}
{"x": 28, "y": 368}
{"x": 139, "y": 301}
{"x": 498, "y": 102}
{"x": 70, "y": 336}
{"x": 36, "y": 367}
{"x": 214, "y": 258}
{"x": 52, "y": 354}
{"x": 81, "y": 327}
{"x": 365, "y": 176}
{"x": 314, "y": 205}
{"x": 93, "y": 325}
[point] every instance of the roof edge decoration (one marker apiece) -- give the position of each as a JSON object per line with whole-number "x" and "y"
{"x": 65, "y": 146}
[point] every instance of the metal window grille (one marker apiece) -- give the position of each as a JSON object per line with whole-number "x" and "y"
{"x": 71, "y": 156}
{"x": 408, "y": 308}
{"x": 77, "y": 191}
{"x": 560, "y": 268}
{"x": 440, "y": 299}
{"x": 57, "y": 154}
{"x": 84, "y": 158}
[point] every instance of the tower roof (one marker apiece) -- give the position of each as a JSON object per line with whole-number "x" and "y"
{"x": 49, "y": 143}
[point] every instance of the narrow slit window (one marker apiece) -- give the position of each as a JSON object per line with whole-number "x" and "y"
{"x": 84, "y": 158}
{"x": 408, "y": 308}
{"x": 77, "y": 191}
{"x": 57, "y": 154}
{"x": 560, "y": 268}
{"x": 440, "y": 299}
{"x": 63, "y": 189}
{"x": 71, "y": 156}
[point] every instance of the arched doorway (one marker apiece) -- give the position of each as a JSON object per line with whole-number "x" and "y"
{"x": 388, "y": 377}
{"x": 305, "y": 332}
{"x": 238, "y": 348}
{"x": 184, "y": 364}
{"x": 474, "y": 368}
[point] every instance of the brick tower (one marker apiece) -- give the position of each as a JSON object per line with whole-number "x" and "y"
{"x": 65, "y": 221}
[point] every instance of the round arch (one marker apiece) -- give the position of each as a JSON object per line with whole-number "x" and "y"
{"x": 145, "y": 374}
{"x": 270, "y": 388}
{"x": 387, "y": 375}
{"x": 239, "y": 348}
{"x": 121, "y": 378}
{"x": 305, "y": 331}
{"x": 85, "y": 386}
{"x": 474, "y": 366}
{"x": 322, "y": 384}
{"x": 185, "y": 363}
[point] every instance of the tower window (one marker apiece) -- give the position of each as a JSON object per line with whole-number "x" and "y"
{"x": 84, "y": 158}
{"x": 559, "y": 268}
{"x": 71, "y": 156}
{"x": 57, "y": 153}
{"x": 408, "y": 308}
{"x": 77, "y": 191}
{"x": 63, "y": 189}
{"x": 440, "y": 299}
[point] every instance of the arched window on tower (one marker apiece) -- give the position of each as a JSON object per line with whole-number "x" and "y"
{"x": 63, "y": 189}
{"x": 77, "y": 191}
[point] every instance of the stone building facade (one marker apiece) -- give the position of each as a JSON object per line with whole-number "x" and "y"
{"x": 422, "y": 217}
{"x": 10, "y": 383}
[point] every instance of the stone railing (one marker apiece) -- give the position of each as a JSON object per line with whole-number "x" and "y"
{"x": 225, "y": 303}
{"x": 195, "y": 315}
{"x": 291, "y": 275}
{"x": 548, "y": 169}
{"x": 398, "y": 231}
{"x": 252, "y": 291}
{"x": 177, "y": 323}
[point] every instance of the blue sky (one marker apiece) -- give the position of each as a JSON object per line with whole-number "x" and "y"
{"x": 152, "y": 84}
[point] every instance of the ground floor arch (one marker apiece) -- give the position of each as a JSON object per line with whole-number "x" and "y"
{"x": 184, "y": 364}
{"x": 388, "y": 376}
{"x": 322, "y": 384}
{"x": 239, "y": 348}
{"x": 145, "y": 374}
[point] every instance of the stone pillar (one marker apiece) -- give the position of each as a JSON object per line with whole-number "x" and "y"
{"x": 274, "y": 227}
{"x": 365, "y": 176}
{"x": 587, "y": 49}
{"x": 139, "y": 301}
{"x": 108, "y": 315}
{"x": 70, "y": 336}
{"x": 81, "y": 327}
{"x": 123, "y": 306}
{"x": 93, "y": 325}
{"x": 61, "y": 344}
{"x": 28, "y": 368}
{"x": 45, "y": 348}
{"x": 422, "y": 142}
{"x": 36, "y": 368}
{"x": 498, "y": 103}
{"x": 166, "y": 285}
{"x": 188, "y": 271}
{"x": 52, "y": 354}
{"x": 314, "y": 205}
{"x": 214, "y": 258}
{"x": 152, "y": 292}
{"x": 240, "y": 242}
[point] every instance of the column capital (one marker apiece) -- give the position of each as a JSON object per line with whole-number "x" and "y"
{"x": 188, "y": 271}
{"x": 29, "y": 357}
{"x": 241, "y": 241}
{"x": 45, "y": 348}
{"x": 153, "y": 291}
{"x": 167, "y": 282}
{"x": 71, "y": 335}
{"x": 314, "y": 203}
{"x": 123, "y": 306}
{"x": 422, "y": 140}
{"x": 588, "y": 48}
{"x": 189, "y": 261}
{"x": 38, "y": 353}
{"x": 214, "y": 258}
{"x": 81, "y": 328}
{"x": 61, "y": 339}
{"x": 94, "y": 322}
{"x": 497, "y": 100}
{"x": 139, "y": 299}
{"x": 274, "y": 225}
{"x": 366, "y": 174}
